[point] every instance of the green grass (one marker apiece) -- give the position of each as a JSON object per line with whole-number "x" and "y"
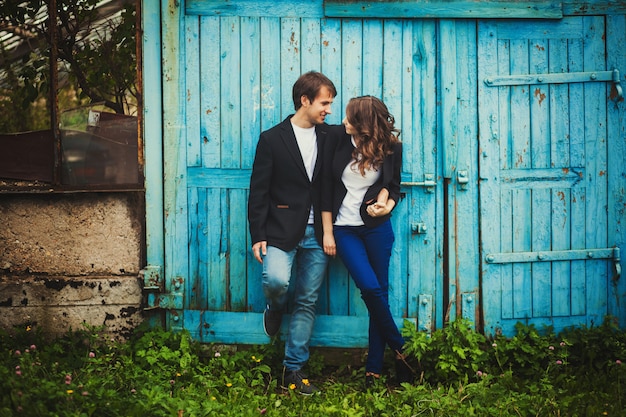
{"x": 460, "y": 373}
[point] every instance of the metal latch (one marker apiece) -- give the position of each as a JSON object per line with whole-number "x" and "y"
{"x": 462, "y": 179}
{"x": 429, "y": 183}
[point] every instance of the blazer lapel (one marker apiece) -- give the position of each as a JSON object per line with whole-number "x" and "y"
{"x": 291, "y": 145}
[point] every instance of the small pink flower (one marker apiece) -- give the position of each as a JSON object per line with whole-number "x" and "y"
{"x": 618, "y": 362}
{"x": 68, "y": 379}
{"x": 33, "y": 347}
{"x": 17, "y": 368}
{"x": 550, "y": 347}
{"x": 494, "y": 345}
{"x": 92, "y": 355}
{"x": 559, "y": 362}
{"x": 562, "y": 344}
{"x": 84, "y": 393}
{"x": 172, "y": 382}
{"x": 18, "y": 373}
{"x": 133, "y": 391}
{"x": 217, "y": 354}
{"x": 263, "y": 410}
{"x": 26, "y": 350}
{"x": 18, "y": 353}
{"x": 479, "y": 374}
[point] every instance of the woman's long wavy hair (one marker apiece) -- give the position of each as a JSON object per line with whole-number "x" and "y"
{"x": 376, "y": 131}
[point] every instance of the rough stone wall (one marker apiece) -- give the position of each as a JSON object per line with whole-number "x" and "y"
{"x": 68, "y": 259}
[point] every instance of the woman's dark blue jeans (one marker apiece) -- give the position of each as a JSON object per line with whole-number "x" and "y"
{"x": 366, "y": 253}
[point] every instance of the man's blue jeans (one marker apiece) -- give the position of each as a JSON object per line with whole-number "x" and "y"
{"x": 311, "y": 262}
{"x": 366, "y": 253}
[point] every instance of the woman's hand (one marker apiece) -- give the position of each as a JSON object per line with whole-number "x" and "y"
{"x": 378, "y": 209}
{"x": 330, "y": 248}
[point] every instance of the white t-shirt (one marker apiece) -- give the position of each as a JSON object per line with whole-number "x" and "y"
{"x": 356, "y": 186}
{"x": 307, "y": 142}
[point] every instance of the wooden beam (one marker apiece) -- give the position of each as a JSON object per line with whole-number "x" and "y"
{"x": 535, "y": 9}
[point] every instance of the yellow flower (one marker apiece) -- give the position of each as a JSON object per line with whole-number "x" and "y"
{"x": 228, "y": 384}
{"x": 177, "y": 373}
{"x": 28, "y": 328}
{"x": 305, "y": 381}
{"x": 292, "y": 386}
{"x": 212, "y": 398}
{"x": 70, "y": 391}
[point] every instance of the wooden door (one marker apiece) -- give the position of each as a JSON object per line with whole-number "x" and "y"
{"x": 545, "y": 229}
{"x": 228, "y": 75}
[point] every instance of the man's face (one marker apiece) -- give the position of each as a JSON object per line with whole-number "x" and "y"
{"x": 315, "y": 112}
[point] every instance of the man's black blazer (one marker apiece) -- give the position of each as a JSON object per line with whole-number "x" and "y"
{"x": 281, "y": 193}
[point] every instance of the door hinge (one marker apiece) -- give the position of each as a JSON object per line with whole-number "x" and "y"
{"x": 559, "y": 78}
{"x": 156, "y": 295}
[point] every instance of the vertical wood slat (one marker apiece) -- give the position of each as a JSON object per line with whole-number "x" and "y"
{"x": 595, "y": 99}
{"x": 153, "y": 140}
{"x": 560, "y": 158}
{"x": 210, "y": 102}
{"x": 577, "y": 159}
{"x": 490, "y": 195}
{"x": 616, "y": 45}
{"x": 174, "y": 171}
{"x": 424, "y": 260}
{"x": 540, "y": 273}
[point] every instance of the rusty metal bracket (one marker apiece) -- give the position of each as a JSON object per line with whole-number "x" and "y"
{"x": 155, "y": 293}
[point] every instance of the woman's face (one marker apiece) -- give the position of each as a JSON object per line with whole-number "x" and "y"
{"x": 350, "y": 130}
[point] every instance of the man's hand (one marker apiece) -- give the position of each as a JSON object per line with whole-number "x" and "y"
{"x": 258, "y": 249}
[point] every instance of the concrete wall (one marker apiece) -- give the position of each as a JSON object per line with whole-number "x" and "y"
{"x": 68, "y": 259}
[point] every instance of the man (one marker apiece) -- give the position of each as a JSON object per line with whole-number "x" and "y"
{"x": 285, "y": 219}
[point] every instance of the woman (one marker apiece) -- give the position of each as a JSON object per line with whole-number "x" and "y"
{"x": 361, "y": 188}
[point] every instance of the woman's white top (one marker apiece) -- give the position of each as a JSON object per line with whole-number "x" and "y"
{"x": 356, "y": 186}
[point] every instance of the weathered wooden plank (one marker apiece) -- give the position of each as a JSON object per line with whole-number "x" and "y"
{"x": 230, "y": 62}
{"x": 560, "y": 158}
{"x": 373, "y": 65}
{"x": 540, "y": 158}
{"x": 506, "y": 246}
{"x": 331, "y": 64}
{"x": 210, "y": 105}
{"x": 594, "y": 8}
{"x": 290, "y": 62}
{"x": 449, "y": 129}
{"x": 522, "y": 241}
{"x": 255, "y": 8}
{"x": 553, "y": 29}
{"x": 310, "y": 48}
{"x": 494, "y": 282}
{"x": 425, "y": 260}
{"x": 616, "y": 58}
{"x": 236, "y": 252}
{"x": 352, "y": 60}
{"x": 174, "y": 115}
{"x": 444, "y": 9}
{"x": 270, "y": 74}
{"x": 250, "y": 89}
{"x": 192, "y": 87}
{"x": 595, "y": 98}
{"x": 153, "y": 132}
{"x": 576, "y": 123}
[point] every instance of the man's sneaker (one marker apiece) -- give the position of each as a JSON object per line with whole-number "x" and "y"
{"x": 296, "y": 380}
{"x": 272, "y": 321}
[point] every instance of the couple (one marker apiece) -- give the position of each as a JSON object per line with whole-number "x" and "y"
{"x": 316, "y": 191}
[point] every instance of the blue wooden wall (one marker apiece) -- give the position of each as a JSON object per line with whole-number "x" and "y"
{"x": 513, "y": 190}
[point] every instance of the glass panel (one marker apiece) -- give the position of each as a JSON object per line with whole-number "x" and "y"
{"x": 98, "y": 147}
